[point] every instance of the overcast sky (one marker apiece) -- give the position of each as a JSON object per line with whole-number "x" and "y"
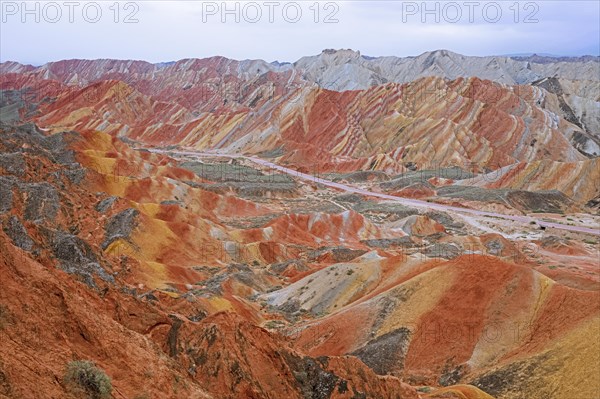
{"x": 281, "y": 30}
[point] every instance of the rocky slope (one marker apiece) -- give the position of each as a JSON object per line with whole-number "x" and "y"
{"x": 332, "y": 69}
{"x": 435, "y": 325}
{"x": 203, "y": 276}
{"x": 349, "y": 70}
{"x": 391, "y": 128}
{"x": 157, "y": 258}
{"x": 392, "y": 124}
{"x": 79, "y": 275}
{"x": 198, "y": 83}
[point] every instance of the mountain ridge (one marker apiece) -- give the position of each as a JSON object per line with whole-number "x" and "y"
{"x": 514, "y": 63}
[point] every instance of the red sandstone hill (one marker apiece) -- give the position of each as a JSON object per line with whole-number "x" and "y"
{"x": 429, "y": 121}
{"x": 471, "y": 319}
{"x": 216, "y": 278}
{"x": 80, "y": 273}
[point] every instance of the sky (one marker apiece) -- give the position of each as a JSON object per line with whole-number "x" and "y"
{"x": 160, "y": 31}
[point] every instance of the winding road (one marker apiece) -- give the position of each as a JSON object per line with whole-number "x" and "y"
{"x": 404, "y": 201}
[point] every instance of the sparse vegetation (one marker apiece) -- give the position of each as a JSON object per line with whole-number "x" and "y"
{"x": 86, "y": 380}
{"x": 274, "y": 288}
{"x": 350, "y": 272}
{"x": 172, "y": 290}
{"x": 274, "y": 324}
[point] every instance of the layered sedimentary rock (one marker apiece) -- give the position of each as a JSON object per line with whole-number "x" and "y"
{"x": 349, "y": 70}
{"x": 206, "y": 276}
{"x": 331, "y": 69}
{"x": 427, "y": 327}
{"x": 578, "y": 180}
{"x": 428, "y": 121}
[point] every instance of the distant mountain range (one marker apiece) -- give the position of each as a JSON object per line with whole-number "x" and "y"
{"x": 349, "y": 70}
{"x": 565, "y": 89}
{"x": 355, "y": 104}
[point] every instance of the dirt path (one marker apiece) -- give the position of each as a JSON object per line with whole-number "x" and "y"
{"x": 405, "y": 201}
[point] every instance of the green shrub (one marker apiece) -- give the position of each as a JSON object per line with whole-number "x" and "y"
{"x": 273, "y": 324}
{"x": 85, "y": 378}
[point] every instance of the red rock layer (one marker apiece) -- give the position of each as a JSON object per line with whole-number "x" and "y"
{"x": 430, "y": 122}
